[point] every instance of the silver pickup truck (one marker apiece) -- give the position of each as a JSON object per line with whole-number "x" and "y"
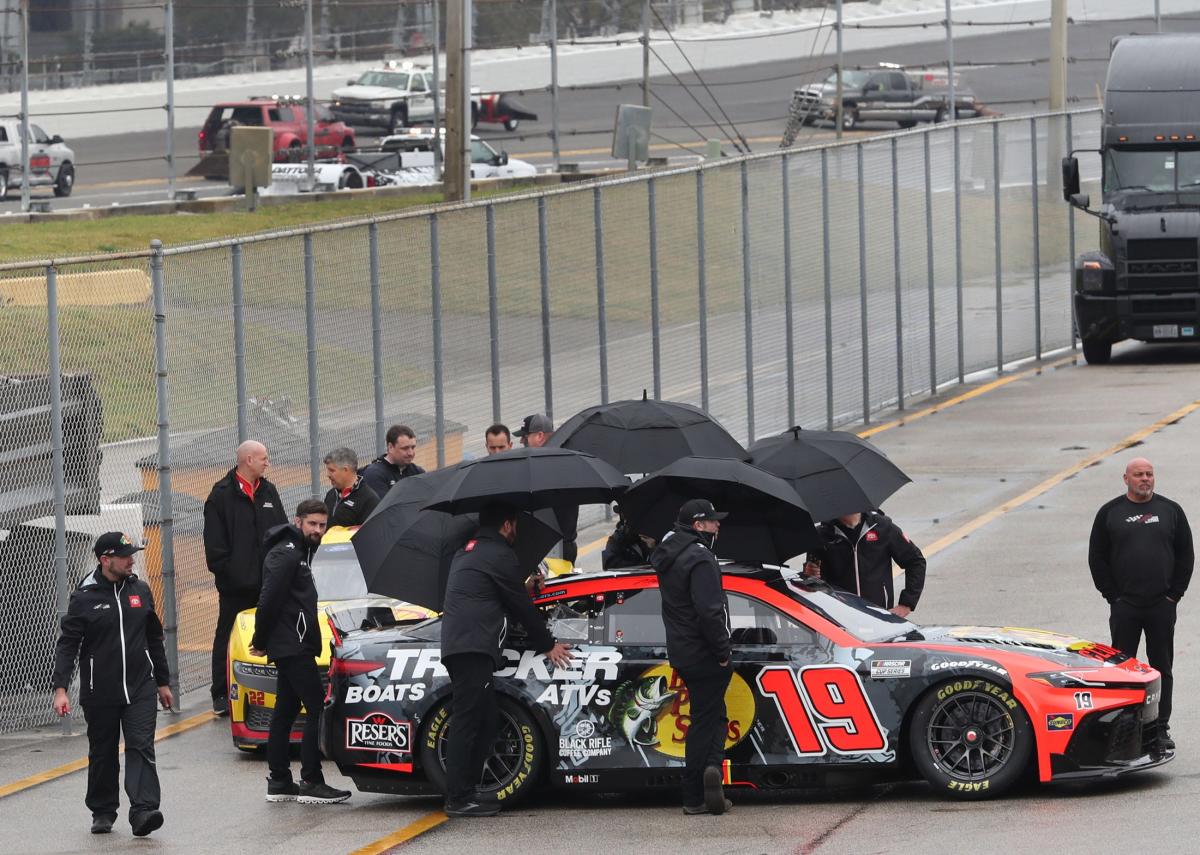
{"x": 887, "y": 94}
{"x": 51, "y": 163}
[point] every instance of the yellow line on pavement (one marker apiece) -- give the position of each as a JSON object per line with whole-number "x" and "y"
{"x": 403, "y": 835}
{"x": 77, "y": 765}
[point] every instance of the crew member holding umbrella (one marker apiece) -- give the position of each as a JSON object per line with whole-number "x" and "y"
{"x": 695, "y": 613}
{"x": 484, "y": 590}
{"x": 857, "y": 553}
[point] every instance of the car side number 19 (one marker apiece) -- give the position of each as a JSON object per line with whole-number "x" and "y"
{"x": 824, "y": 708}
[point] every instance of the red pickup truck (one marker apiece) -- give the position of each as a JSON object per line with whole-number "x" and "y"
{"x": 286, "y": 117}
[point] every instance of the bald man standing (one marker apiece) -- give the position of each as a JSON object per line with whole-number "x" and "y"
{"x": 242, "y": 507}
{"x": 1141, "y": 559}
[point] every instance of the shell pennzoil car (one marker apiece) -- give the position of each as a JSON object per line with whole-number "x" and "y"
{"x": 827, "y": 688}
{"x": 344, "y": 600}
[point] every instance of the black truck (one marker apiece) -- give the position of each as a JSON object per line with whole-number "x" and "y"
{"x": 885, "y": 94}
{"x": 1144, "y": 282}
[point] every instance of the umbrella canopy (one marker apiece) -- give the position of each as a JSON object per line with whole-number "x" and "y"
{"x": 767, "y": 520}
{"x": 405, "y": 551}
{"x": 835, "y": 472}
{"x": 644, "y": 436}
{"x": 529, "y": 478}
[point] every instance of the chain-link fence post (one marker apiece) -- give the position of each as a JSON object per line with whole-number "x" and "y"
{"x": 897, "y": 273}
{"x": 933, "y": 383}
{"x": 864, "y": 328}
{"x": 827, "y": 257}
{"x": 58, "y": 454}
{"x": 493, "y": 309}
{"x": 748, "y": 304}
{"x": 601, "y": 297}
{"x": 166, "y": 523}
{"x": 239, "y": 341}
{"x": 310, "y": 104}
{"x": 789, "y": 322}
{"x": 655, "y": 320}
{"x": 1071, "y": 246}
{"x": 169, "y": 75}
{"x": 1037, "y": 248}
{"x": 544, "y": 276}
{"x": 25, "y": 105}
{"x": 702, "y": 284}
{"x": 310, "y": 333}
{"x": 554, "y": 82}
{"x": 376, "y": 336}
{"x": 958, "y": 258}
{"x": 435, "y": 298}
{"x": 997, "y": 226}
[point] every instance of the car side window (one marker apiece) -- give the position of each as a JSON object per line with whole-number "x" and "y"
{"x": 752, "y": 622}
{"x": 634, "y": 617}
{"x": 283, "y": 114}
{"x": 898, "y": 81}
{"x": 418, "y": 83}
{"x": 39, "y": 135}
{"x": 3, "y": 135}
{"x": 875, "y": 83}
{"x": 247, "y": 115}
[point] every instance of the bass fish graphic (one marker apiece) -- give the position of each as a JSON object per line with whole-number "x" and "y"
{"x": 635, "y": 708}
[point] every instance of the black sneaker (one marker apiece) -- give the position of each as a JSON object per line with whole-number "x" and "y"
{"x": 472, "y": 808}
{"x": 714, "y": 793}
{"x": 1165, "y": 742}
{"x": 146, "y": 822}
{"x": 695, "y": 810}
{"x": 282, "y": 791}
{"x": 220, "y": 706}
{"x": 102, "y": 824}
{"x": 320, "y": 794}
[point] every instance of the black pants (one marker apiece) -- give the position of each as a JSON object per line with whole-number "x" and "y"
{"x": 473, "y": 729}
{"x": 230, "y": 603}
{"x": 104, "y": 727}
{"x": 1127, "y": 623}
{"x": 706, "y": 685}
{"x": 299, "y": 681}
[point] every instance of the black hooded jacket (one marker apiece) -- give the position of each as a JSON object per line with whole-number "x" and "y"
{"x": 234, "y": 528}
{"x": 381, "y": 474}
{"x": 118, "y": 638}
{"x": 860, "y": 560}
{"x": 695, "y": 610}
{"x": 286, "y": 621}
{"x": 354, "y": 508}
{"x": 485, "y": 588}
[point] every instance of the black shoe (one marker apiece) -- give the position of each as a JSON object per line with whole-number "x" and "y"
{"x": 220, "y": 706}
{"x": 320, "y": 794}
{"x": 102, "y": 824}
{"x": 714, "y": 793}
{"x": 694, "y": 810}
{"x": 282, "y": 791}
{"x": 472, "y": 808}
{"x": 146, "y": 822}
{"x": 1165, "y": 742}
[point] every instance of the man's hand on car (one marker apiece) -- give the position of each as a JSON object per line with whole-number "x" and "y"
{"x": 559, "y": 654}
{"x": 901, "y": 611}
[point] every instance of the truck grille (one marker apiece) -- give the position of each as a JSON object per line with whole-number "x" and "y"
{"x": 1168, "y": 306}
{"x": 1162, "y": 264}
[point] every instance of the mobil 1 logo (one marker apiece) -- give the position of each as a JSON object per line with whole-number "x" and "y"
{"x": 378, "y": 732}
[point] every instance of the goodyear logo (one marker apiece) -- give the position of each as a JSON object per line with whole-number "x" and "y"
{"x": 1060, "y": 721}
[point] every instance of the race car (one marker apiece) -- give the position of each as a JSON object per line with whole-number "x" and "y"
{"x": 343, "y": 600}
{"x": 827, "y": 689}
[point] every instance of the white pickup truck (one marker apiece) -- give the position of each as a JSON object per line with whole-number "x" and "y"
{"x": 51, "y": 163}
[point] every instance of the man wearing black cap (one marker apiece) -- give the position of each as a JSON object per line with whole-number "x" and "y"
{"x": 112, "y": 628}
{"x": 696, "y": 615}
{"x": 535, "y": 431}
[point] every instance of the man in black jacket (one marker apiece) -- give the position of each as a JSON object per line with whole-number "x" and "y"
{"x": 349, "y": 500}
{"x": 396, "y": 463}
{"x": 485, "y": 588}
{"x": 112, "y": 628}
{"x": 1141, "y": 558}
{"x": 695, "y": 613}
{"x": 239, "y": 511}
{"x": 286, "y": 632}
{"x": 857, "y": 555}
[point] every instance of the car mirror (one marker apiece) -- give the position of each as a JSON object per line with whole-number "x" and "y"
{"x": 56, "y": 139}
{"x": 502, "y": 159}
{"x": 1070, "y": 177}
{"x": 1081, "y": 200}
{"x": 351, "y": 81}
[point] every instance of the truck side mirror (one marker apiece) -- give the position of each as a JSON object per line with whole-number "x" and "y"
{"x": 1081, "y": 200}
{"x": 502, "y": 159}
{"x": 1070, "y": 178}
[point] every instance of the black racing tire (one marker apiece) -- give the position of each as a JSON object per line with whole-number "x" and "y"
{"x": 399, "y": 119}
{"x": 970, "y": 738}
{"x": 65, "y": 181}
{"x": 849, "y": 118}
{"x": 3, "y": 183}
{"x": 511, "y": 773}
{"x": 1097, "y": 352}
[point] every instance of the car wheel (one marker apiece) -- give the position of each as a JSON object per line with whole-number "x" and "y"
{"x": 65, "y": 181}
{"x": 849, "y": 118}
{"x": 512, "y": 124}
{"x": 348, "y": 145}
{"x": 942, "y": 115}
{"x": 1097, "y": 352}
{"x": 294, "y": 153}
{"x": 3, "y": 184}
{"x": 474, "y": 116}
{"x": 970, "y": 738}
{"x": 907, "y": 123}
{"x": 515, "y": 765}
{"x": 399, "y": 120}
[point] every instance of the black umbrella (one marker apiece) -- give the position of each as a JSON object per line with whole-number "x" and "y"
{"x": 405, "y": 551}
{"x": 529, "y": 478}
{"x": 767, "y": 520}
{"x": 644, "y": 436}
{"x": 835, "y": 472}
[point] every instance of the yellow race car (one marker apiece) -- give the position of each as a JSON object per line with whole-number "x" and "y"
{"x": 344, "y": 599}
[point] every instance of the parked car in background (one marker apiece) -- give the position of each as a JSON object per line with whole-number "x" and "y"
{"x": 885, "y": 94}
{"x": 486, "y": 162}
{"x": 286, "y": 117}
{"x": 51, "y": 162}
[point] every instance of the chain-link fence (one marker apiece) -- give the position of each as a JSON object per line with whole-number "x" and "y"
{"x": 813, "y": 287}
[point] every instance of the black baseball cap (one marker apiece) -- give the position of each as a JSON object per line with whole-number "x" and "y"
{"x": 699, "y": 509}
{"x": 537, "y": 423}
{"x": 115, "y": 543}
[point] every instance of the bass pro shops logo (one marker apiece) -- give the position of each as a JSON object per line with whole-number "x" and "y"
{"x": 378, "y": 732}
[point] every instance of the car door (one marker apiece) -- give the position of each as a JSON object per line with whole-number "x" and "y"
{"x": 40, "y": 145}
{"x": 420, "y": 99}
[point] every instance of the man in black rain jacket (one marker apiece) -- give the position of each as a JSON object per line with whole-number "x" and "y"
{"x": 241, "y": 508}
{"x": 484, "y": 589}
{"x": 287, "y": 633}
{"x": 695, "y": 613}
{"x": 388, "y": 468}
{"x": 857, "y": 555}
{"x": 349, "y": 500}
{"x": 113, "y": 629}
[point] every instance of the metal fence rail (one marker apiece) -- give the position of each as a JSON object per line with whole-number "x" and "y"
{"x": 813, "y": 286}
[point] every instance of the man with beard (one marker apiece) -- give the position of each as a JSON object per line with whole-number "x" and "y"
{"x": 695, "y": 613}
{"x": 286, "y": 632}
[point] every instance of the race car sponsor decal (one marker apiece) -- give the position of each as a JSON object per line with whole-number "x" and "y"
{"x": 1083, "y": 700}
{"x": 390, "y": 692}
{"x": 377, "y": 731}
{"x": 581, "y": 779}
{"x": 969, "y": 663}
{"x": 1092, "y": 650}
{"x": 412, "y": 664}
{"x": 1151, "y": 697}
{"x": 977, "y": 686}
{"x": 585, "y": 743}
{"x": 824, "y": 708}
{"x": 1060, "y": 721}
{"x": 886, "y": 668}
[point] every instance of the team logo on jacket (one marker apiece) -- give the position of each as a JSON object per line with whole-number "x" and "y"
{"x": 135, "y": 602}
{"x": 872, "y": 537}
{"x": 1145, "y": 519}
{"x": 470, "y": 547}
{"x": 378, "y": 732}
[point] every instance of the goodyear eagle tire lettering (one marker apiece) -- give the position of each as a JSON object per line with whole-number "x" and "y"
{"x": 970, "y": 738}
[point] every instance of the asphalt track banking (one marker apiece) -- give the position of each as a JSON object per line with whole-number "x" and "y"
{"x": 757, "y": 105}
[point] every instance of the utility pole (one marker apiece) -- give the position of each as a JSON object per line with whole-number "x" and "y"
{"x": 169, "y": 37}
{"x": 456, "y": 179}
{"x": 554, "y": 83}
{"x": 1157, "y": 18}
{"x": 1058, "y": 94}
{"x": 646, "y": 52}
{"x": 437, "y": 95}
{"x": 24, "y": 105}
{"x": 310, "y": 107}
{"x": 839, "y": 114}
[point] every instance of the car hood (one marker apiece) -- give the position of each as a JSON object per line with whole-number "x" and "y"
{"x": 1062, "y": 650}
{"x": 366, "y": 93}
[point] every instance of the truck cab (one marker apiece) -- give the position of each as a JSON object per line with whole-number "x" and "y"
{"x": 393, "y": 97}
{"x": 1144, "y": 281}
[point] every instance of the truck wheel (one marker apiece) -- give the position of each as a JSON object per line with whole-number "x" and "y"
{"x": 474, "y": 116}
{"x": 348, "y": 146}
{"x": 399, "y": 120}
{"x": 907, "y": 123}
{"x": 3, "y": 184}
{"x": 849, "y": 118}
{"x": 1097, "y": 352}
{"x": 511, "y": 124}
{"x": 65, "y": 181}
{"x": 294, "y": 155}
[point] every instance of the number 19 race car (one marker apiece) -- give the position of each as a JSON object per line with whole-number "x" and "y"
{"x": 827, "y": 689}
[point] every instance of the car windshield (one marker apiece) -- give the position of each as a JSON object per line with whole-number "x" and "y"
{"x": 336, "y": 573}
{"x": 390, "y": 79}
{"x": 1151, "y": 169}
{"x": 866, "y": 622}
{"x": 849, "y": 78}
